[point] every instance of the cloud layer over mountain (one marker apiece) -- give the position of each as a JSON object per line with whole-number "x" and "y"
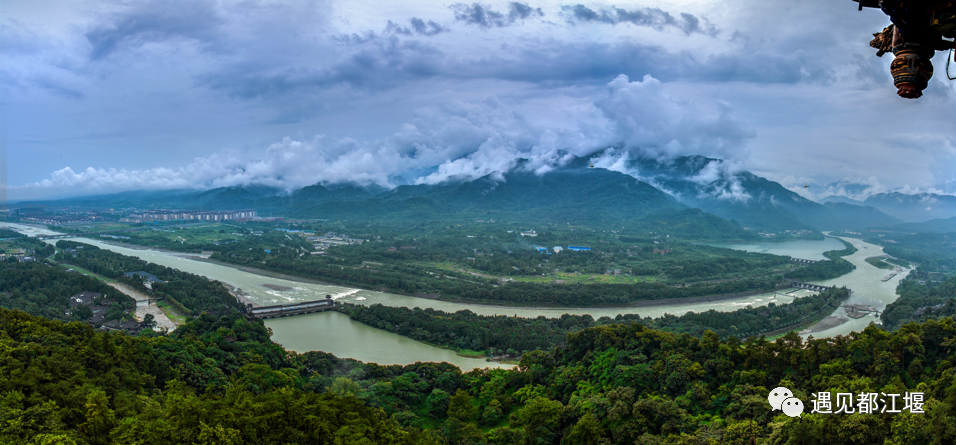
{"x": 464, "y": 141}
{"x": 113, "y": 96}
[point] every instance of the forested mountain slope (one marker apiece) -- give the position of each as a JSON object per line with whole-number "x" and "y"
{"x": 223, "y": 381}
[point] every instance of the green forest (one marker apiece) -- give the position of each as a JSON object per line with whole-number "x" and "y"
{"x": 43, "y": 290}
{"x": 483, "y": 262}
{"x": 932, "y": 252}
{"x": 190, "y": 293}
{"x": 835, "y": 266}
{"x": 11, "y": 241}
{"x": 700, "y": 378}
{"x": 221, "y": 380}
{"x": 920, "y": 302}
{"x": 516, "y": 335}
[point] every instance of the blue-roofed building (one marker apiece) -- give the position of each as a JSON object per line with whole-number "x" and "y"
{"x": 579, "y": 248}
{"x": 540, "y": 249}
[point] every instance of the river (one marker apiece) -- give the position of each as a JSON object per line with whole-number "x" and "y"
{"x": 865, "y": 282}
{"x": 337, "y": 334}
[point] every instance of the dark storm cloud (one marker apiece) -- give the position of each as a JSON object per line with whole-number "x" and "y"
{"x": 155, "y": 21}
{"x": 455, "y": 140}
{"x": 583, "y": 61}
{"x": 485, "y": 17}
{"x": 379, "y": 63}
{"x": 428, "y": 28}
{"x": 418, "y": 27}
{"x": 22, "y": 41}
{"x": 648, "y": 17}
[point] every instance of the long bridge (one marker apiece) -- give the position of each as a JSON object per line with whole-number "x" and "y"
{"x": 287, "y": 310}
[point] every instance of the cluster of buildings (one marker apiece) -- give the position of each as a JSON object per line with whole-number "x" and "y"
{"x": 21, "y": 255}
{"x": 55, "y": 219}
{"x": 323, "y": 242}
{"x": 183, "y": 215}
{"x": 99, "y": 307}
{"x": 52, "y": 215}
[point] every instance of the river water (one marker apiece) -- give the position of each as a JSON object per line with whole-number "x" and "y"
{"x": 807, "y": 250}
{"x": 337, "y": 334}
{"x": 865, "y": 282}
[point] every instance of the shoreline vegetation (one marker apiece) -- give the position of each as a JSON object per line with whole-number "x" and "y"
{"x": 832, "y": 255}
{"x": 301, "y": 279}
{"x": 484, "y": 302}
{"x": 464, "y": 330}
{"x": 466, "y": 342}
{"x": 475, "y": 351}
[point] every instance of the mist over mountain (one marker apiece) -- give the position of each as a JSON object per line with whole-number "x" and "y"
{"x": 610, "y": 187}
{"x": 839, "y": 198}
{"x": 755, "y": 202}
{"x": 918, "y": 207}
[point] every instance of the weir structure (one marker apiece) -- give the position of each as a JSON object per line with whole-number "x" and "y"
{"x": 811, "y": 286}
{"x": 802, "y": 261}
{"x": 287, "y": 310}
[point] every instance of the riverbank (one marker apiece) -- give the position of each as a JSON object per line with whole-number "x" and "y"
{"x": 484, "y": 303}
{"x": 164, "y": 320}
{"x": 466, "y": 353}
{"x": 490, "y": 304}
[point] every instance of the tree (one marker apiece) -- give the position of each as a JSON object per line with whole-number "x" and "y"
{"x": 83, "y": 312}
{"x": 588, "y": 431}
{"x": 149, "y": 320}
{"x": 99, "y": 418}
{"x": 344, "y": 387}
{"x": 539, "y": 419}
{"x": 461, "y": 408}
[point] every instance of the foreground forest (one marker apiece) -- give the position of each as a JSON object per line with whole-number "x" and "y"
{"x": 223, "y": 381}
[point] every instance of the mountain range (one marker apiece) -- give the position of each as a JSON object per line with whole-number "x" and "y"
{"x": 918, "y": 207}
{"x": 577, "y": 192}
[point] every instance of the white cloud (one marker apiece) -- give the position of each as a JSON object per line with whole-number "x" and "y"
{"x": 459, "y": 141}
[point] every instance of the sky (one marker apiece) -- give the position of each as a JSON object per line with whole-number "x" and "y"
{"x": 107, "y": 96}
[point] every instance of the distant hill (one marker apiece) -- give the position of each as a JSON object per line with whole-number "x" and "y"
{"x": 753, "y": 201}
{"x": 574, "y": 193}
{"x": 582, "y": 195}
{"x": 946, "y": 225}
{"x": 859, "y": 217}
{"x": 914, "y": 208}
